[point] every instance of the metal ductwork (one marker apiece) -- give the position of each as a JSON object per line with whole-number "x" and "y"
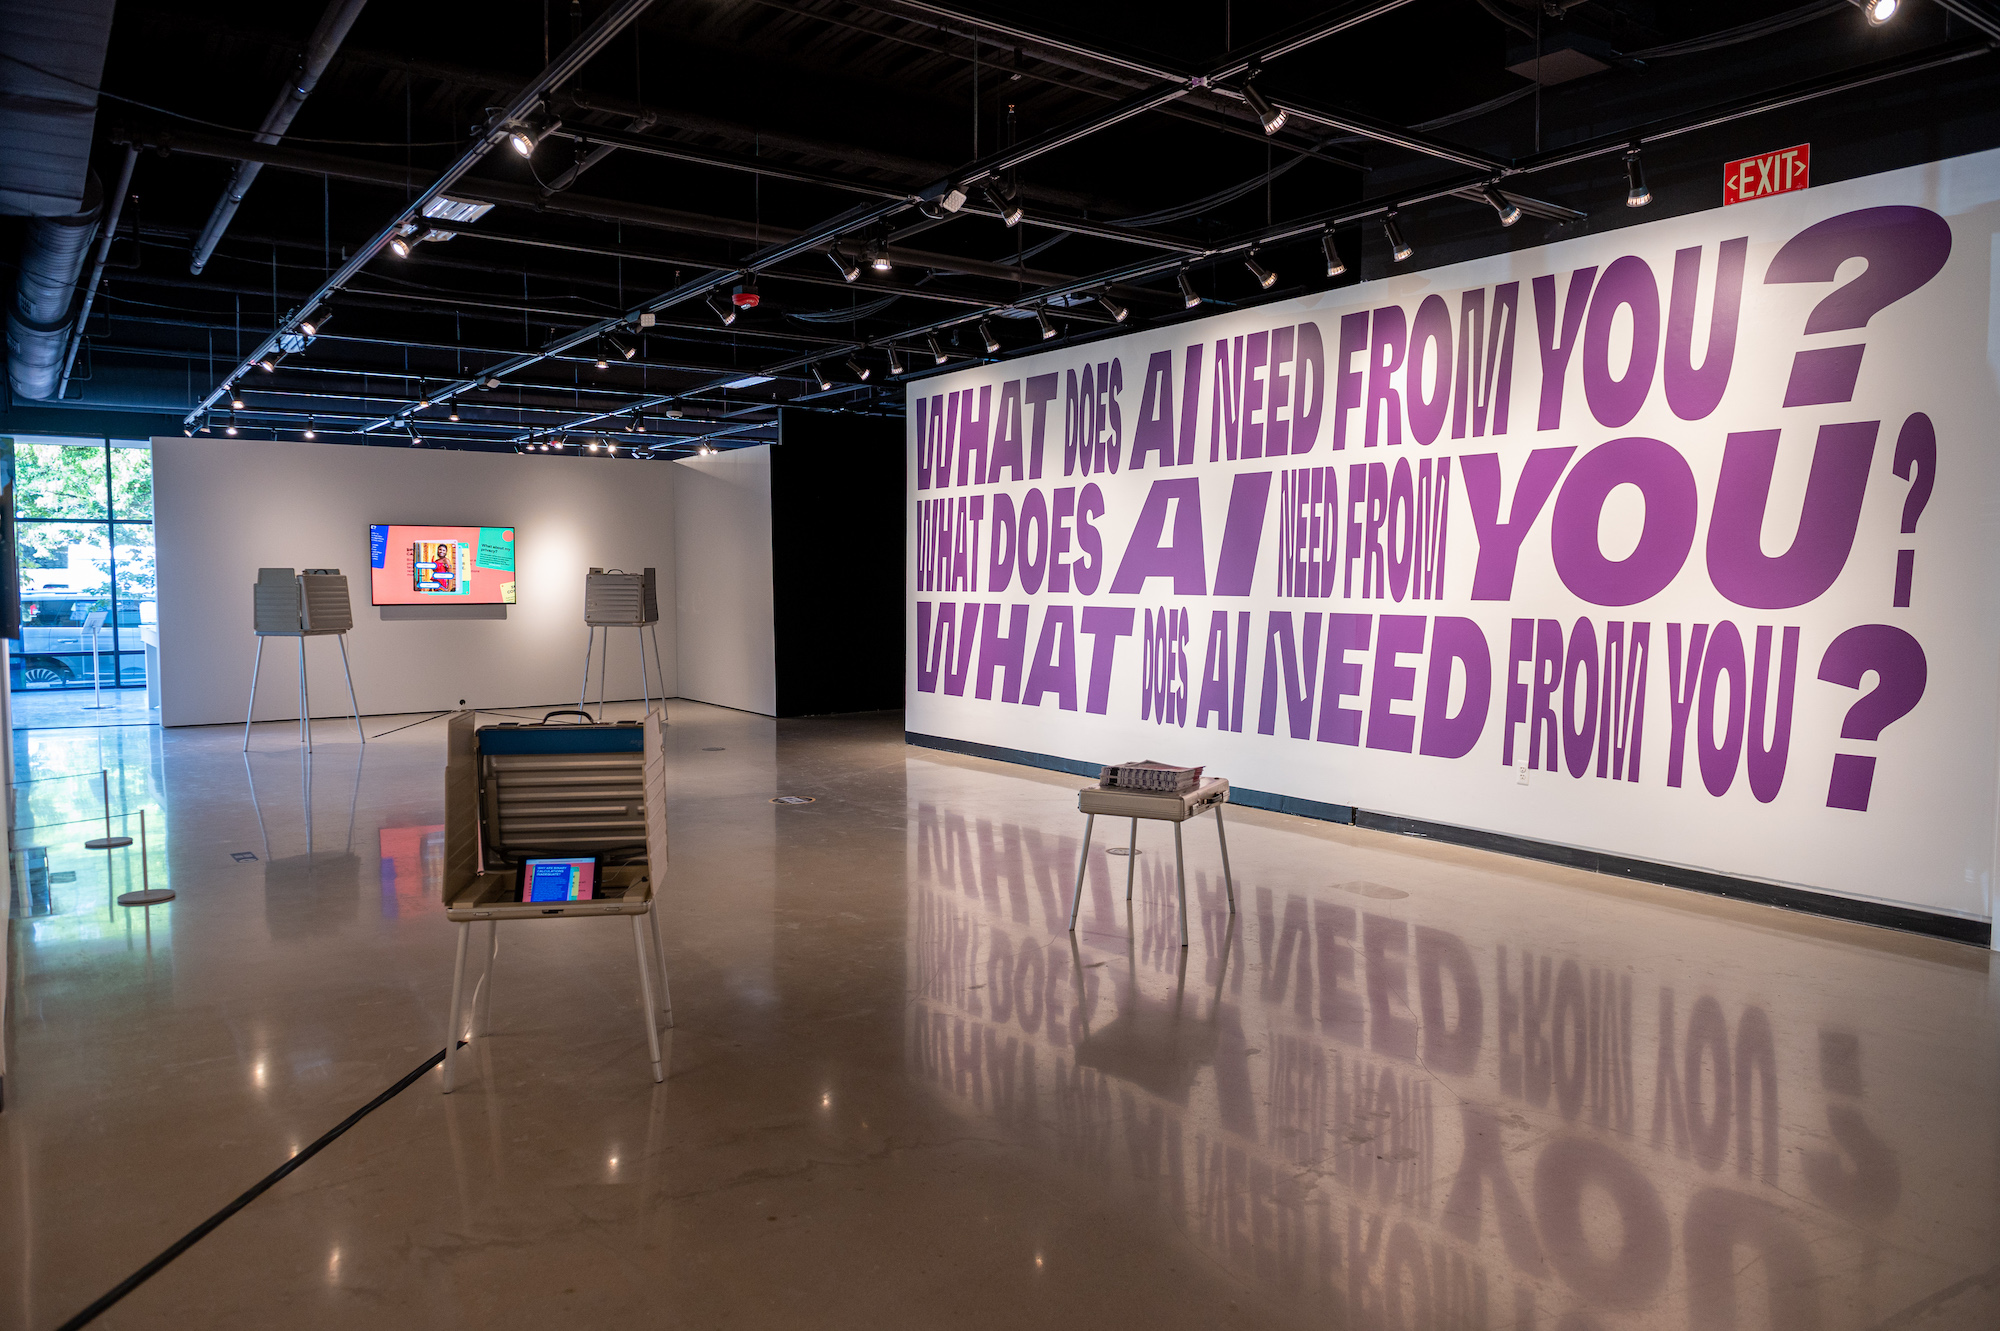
{"x": 326, "y": 40}
{"x": 45, "y": 294}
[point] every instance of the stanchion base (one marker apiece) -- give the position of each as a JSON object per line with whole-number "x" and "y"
{"x": 107, "y": 842}
{"x": 152, "y": 896}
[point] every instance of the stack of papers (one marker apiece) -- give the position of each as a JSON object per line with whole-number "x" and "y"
{"x": 1150, "y": 775}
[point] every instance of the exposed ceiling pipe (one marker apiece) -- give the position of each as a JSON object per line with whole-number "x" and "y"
{"x": 523, "y": 104}
{"x": 97, "y": 266}
{"x": 39, "y": 320}
{"x": 326, "y": 39}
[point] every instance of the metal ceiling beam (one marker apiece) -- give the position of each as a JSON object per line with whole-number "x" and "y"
{"x": 524, "y": 103}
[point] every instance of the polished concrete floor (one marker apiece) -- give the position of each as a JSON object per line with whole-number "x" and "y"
{"x": 1403, "y": 1086}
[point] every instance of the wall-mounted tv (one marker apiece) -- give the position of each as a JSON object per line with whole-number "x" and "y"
{"x": 420, "y": 565}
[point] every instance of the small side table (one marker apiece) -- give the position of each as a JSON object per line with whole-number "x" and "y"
{"x": 1119, "y": 802}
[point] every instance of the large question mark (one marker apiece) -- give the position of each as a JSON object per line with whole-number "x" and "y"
{"x": 1905, "y": 247}
{"x": 1901, "y": 673}
{"x": 1916, "y": 447}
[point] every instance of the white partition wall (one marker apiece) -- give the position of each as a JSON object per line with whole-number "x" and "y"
{"x": 1668, "y": 549}
{"x": 224, "y": 507}
{"x": 722, "y": 535}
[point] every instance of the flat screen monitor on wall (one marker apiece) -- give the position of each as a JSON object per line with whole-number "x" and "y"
{"x": 420, "y": 565}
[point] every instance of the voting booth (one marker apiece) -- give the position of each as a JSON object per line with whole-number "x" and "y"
{"x": 560, "y": 819}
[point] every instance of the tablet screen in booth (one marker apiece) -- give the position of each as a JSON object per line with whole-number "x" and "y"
{"x": 573, "y": 879}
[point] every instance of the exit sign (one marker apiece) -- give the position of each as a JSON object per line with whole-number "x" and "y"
{"x": 1766, "y": 174}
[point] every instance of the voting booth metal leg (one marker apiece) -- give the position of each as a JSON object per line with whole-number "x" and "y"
{"x": 660, "y": 954}
{"x": 1180, "y": 883}
{"x": 250, "y": 711}
{"x": 645, "y": 685}
{"x": 353, "y": 702}
{"x": 646, "y": 991}
{"x": 451, "y": 1021}
{"x": 1131, "y": 858}
{"x": 1222, "y": 839}
{"x": 1082, "y": 863}
{"x": 482, "y": 1006}
{"x": 583, "y": 690}
{"x": 305, "y": 700}
{"x": 603, "y": 666}
{"x": 659, "y": 671}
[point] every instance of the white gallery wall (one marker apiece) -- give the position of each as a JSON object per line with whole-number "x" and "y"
{"x": 722, "y": 543}
{"x": 225, "y": 507}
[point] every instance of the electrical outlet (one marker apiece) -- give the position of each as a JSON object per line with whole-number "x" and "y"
{"x": 1521, "y": 772}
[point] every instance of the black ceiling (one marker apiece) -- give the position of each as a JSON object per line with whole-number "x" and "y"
{"x": 708, "y": 134}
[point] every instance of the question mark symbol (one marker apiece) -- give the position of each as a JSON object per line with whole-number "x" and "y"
{"x": 1901, "y": 673}
{"x": 1905, "y": 247}
{"x": 1916, "y": 447}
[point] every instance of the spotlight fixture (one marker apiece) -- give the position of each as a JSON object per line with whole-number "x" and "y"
{"x": 849, "y": 269}
{"x": 1880, "y": 11}
{"x": 1265, "y": 277}
{"x": 638, "y": 420}
{"x": 878, "y": 257}
{"x": 1636, "y": 193}
{"x": 861, "y": 371}
{"x": 1268, "y": 115}
{"x": 230, "y": 429}
{"x": 937, "y": 352}
{"x": 526, "y": 135}
{"x": 953, "y": 199}
{"x": 235, "y": 399}
{"x": 559, "y": 440}
{"x": 1118, "y": 313}
{"x": 423, "y": 396}
{"x": 311, "y": 326}
{"x": 1004, "y": 203}
{"x": 309, "y": 432}
{"x": 1334, "y": 265}
{"x": 1042, "y": 318}
{"x": 610, "y": 447}
{"x": 1188, "y": 296}
{"x": 895, "y": 359}
{"x": 672, "y": 411}
{"x": 187, "y": 429}
{"x": 1505, "y": 208}
{"x": 986, "y": 336}
{"x": 399, "y": 246}
{"x": 819, "y": 376}
{"x": 1399, "y": 248}
{"x": 723, "y": 310}
{"x": 207, "y": 426}
{"x": 454, "y": 412}
{"x": 592, "y": 445}
{"x": 416, "y": 440}
{"x": 624, "y": 349}
{"x": 270, "y": 363}
{"x": 600, "y": 362}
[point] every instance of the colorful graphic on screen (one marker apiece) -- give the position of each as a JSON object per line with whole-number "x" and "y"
{"x": 558, "y": 880}
{"x": 416, "y": 565}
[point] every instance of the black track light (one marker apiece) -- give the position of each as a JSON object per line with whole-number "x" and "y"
{"x": 1188, "y": 296}
{"x": 1004, "y": 203}
{"x": 423, "y": 396}
{"x": 819, "y": 377}
{"x": 1399, "y": 249}
{"x": 937, "y": 352}
{"x": 986, "y": 336}
{"x": 1265, "y": 277}
{"x": 625, "y": 350}
{"x": 723, "y": 309}
{"x": 399, "y": 246}
{"x": 187, "y": 429}
{"x": 601, "y": 361}
{"x": 454, "y": 411}
{"x": 1335, "y": 266}
{"x": 878, "y": 257}
{"x": 1042, "y": 318}
{"x": 235, "y": 399}
{"x": 527, "y": 134}
{"x": 1118, "y": 313}
{"x": 849, "y": 269}
{"x": 895, "y": 359}
{"x": 1268, "y": 115}
{"x": 1504, "y": 208}
{"x": 309, "y": 432}
{"x": 1880, "y": 11}
{"x": 859, "y": 370}
{"x": 230, "y": 429}
{"x": 270, "y": 363}
{"x": 1636, "y": 193}
{"x": 311, "y": 326}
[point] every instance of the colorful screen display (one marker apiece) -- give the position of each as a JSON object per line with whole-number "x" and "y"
{"x": 413, "y": 565}
{"x": 558, "y": 880}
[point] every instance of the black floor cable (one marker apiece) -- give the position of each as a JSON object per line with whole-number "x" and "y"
{"x": 256, "y": 1190}
{"x": 432, "y": 717}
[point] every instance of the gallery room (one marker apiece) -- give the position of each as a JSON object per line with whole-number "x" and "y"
{"x": 1197, "y": 665}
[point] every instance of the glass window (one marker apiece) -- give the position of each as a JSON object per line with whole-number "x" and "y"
{"x": 75, "y": 565}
